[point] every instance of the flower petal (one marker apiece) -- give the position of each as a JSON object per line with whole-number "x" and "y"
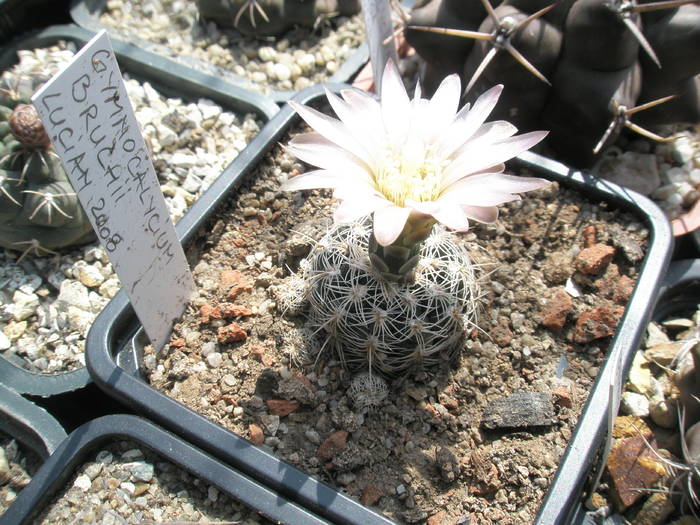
{"x": 318, "y": 151}
{"x": 468, "y": 121}
{"x": 352, "y": 209}
{"x": 313, "y": 180}
{"x": 396, "y": 108}
{"x": 489, "y": 189}
{"x": 448, "y": 213}
{"x": 389, "y": 223}
{"x": 445, "y": 101}
{"x": 470, "y": 162}
{"x": 487, "y": 214}
{"x": 330, "y": 128}
{"x": 357, "y": 120}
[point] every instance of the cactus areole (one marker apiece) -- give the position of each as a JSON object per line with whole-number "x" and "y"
{"x": 388, "y": 291}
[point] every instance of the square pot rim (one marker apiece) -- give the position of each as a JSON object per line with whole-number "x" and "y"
{"x": 83, "y": 441}
{"x": 29, "y": 423}
{"x": 113, "y": 333}
{"x": 158, "y": 71}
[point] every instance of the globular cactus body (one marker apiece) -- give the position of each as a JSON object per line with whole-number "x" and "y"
{"x": 387, "y": 327}
{"x": 598, "y": 56}
{"x": 39, "y": 209}
{"x": 272, "y": 17}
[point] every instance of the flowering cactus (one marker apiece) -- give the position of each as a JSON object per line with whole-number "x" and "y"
{"x": 386, "y": 290}
{"x": 411, "y": 163}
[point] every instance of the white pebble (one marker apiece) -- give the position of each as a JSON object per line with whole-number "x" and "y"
{"x": 83, "y": 483}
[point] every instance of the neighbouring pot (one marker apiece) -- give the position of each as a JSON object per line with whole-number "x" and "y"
{"x": 116, "y": 350}
{"x": 632, "y": 473}
{"x": 236, "y": 47}
{"x": 18, "y": 16}
{"x": 172, "y": 80}
{"x": 36, "y": 436}
{"x": 156, "y": 446}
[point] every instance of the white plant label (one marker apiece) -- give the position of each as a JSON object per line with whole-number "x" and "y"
{"x": 86, "y": 112}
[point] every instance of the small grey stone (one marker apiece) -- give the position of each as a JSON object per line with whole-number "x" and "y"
{"x": 93, "y": 470}
{"x": 346, "y": 478}
{"x": 447, "y": 464}
{"x": 519, "y": 410}
{"x": 104, "y": 456}
{"x": 313, "y": 436}
{"x": 634, "y": 404}
{"x": 215, "y": 359}
{"x": 208, "y": 348}
{"x": 132, "y": 454}
{"x": 140, "y": 470}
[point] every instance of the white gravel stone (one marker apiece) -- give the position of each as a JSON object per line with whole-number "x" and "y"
{"x": 25, "y": 305}
{"x": 634, "y": 404}
{"x": 214, "y": 359}
{"x": 73, "y": 293}
{"x": 90, "y": 276}
{"x": 4, "y": 341}
{"x": 83, "y": 482}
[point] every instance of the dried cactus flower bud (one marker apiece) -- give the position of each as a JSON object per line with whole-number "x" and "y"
{"x": 26, "y": 126}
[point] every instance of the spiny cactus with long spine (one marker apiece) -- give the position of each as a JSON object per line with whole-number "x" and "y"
{"x": 273, "y": 17}
{"x": 584, "y": 69}
{"x": 373, "y": 323}
{"x": 39, "y": 209}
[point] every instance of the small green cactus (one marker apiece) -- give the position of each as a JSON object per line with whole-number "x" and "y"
{"x": 39, "y": 210}
{"x": 381, "y": 326}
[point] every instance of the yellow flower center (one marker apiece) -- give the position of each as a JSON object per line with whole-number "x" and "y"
{"x": 409, "y": 175}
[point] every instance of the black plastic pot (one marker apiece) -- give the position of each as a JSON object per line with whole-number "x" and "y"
{"x": 680, "y": 290}
{"x": 679, "y": 293}
{"x": 29, "y": 424}
{"x": 86, "y": 13}
{"x": 86, "y": 439}
{"x": 115, "y": 348}
{"x": 17, "y": 16}
{"x": 169, "y": 78}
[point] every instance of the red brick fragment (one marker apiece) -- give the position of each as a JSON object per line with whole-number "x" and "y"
{"x": 596, "y": 323}
{"x": 332, "y": 445}
{"x": 589, "y": 236}
{"x": 229, "y": 311}
{"x": 562, "y": 397}
{"x": 231, "y": 333}
{"x": 555, "y": 311}
{"x": 633, "y": 467}
{"x": 593, "y": 260}
{"x": 230, "y": 277}
{"x": 623, "y": 290}
{"x": 259, "y": 352}
{"x": 255, "y": 434}
{"x": 237, "y": 290}
{"x": 208, "y": 312}
{"x": 177, "y": 343}
{"x": 370, "y": 495}
{"x": 281, "y": 407}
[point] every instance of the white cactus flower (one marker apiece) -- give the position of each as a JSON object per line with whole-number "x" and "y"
{"x": 402, "y": 158}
